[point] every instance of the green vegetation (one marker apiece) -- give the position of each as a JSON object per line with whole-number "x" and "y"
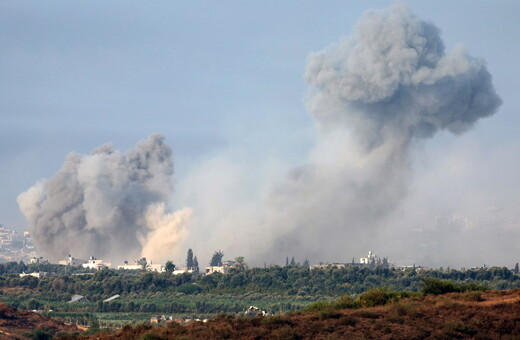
{"x": 437, "y": 286}
{"x": 273, "y": 289}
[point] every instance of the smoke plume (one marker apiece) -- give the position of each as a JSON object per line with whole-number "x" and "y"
{"x": 372, "y": 95}
{"x": 108, "y": 204}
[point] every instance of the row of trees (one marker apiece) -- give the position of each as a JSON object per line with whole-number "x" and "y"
{"x": 290, "y": 280}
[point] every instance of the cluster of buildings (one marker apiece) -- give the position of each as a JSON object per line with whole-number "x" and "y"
{"x": 371, "y": 260}
{"x": 137, "y": 264}
{"x": 224, "y": 269}
{"x": 14, "y": 246}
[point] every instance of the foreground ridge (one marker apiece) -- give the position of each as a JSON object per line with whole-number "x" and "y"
{"x": 472, "y": 314}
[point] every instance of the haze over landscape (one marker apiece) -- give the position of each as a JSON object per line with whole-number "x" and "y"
{"x": 312, "y": 131}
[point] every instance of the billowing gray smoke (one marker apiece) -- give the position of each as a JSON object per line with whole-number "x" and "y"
{"x": 393, "y": 79}
{"x": 372, "y": 94}
{"x": 108, "y": 204}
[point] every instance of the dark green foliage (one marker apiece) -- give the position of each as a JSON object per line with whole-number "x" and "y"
{"x": 274, "y": 289}
{"x": 345, "y": 302}
{"x": 216, "y": 259}
{"x": 169, "y": 267}
{"x": 377, "y": 297}
{"x": 437, "y": 286}
{"x": 40, "y": 335}
{"x": 151, "y": 336}
{"x": 189, "y": 288}
{"x": 189, "y": 260}
{"x": 318, "y": 306}
{"x": 196, "y": 268}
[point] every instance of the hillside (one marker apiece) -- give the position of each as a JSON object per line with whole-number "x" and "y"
{"x": 479, "y": 315}
{"x": 17, "y": 324}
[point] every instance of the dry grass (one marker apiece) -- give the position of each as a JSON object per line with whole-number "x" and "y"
{"x": 486, "y": 315}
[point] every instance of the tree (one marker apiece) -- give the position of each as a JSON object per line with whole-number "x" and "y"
{"x": 189, "y": 259}
{"x": 196, "y": 268}
{"x": 216, "y": 259}
{"x": 143, "y": 263}
{"x": 241, "y": 263}
{"x": 287, "y": 261}
{"x": 293, "y": 262}
{"x": 306, "y": 263}
{"x": 516, "y": 268}
{"x": 169, "y": 267}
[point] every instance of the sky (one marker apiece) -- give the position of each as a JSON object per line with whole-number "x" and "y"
{"x": 224, "y": 82}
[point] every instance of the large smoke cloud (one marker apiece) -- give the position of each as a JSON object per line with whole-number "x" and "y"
{"x": 372, "y": 95}
{"x": 392, "y": 77}
{"x": 108, "y": 204}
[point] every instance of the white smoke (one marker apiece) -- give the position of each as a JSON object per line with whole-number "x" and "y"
{"x": 108, "y": 204}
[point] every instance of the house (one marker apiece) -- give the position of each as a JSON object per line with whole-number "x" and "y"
{"x": 96, "y": 264}
{"x": 71, "y": 261}
{"x": 329, "y": 265}
{"x": 34, "y": 260}
{"x": 141, "y": 264}
{"x": 38, "y": 275}
{"x": 224, "y": 269}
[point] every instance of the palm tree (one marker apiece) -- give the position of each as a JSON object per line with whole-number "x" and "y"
{"x": 241, "y": 263}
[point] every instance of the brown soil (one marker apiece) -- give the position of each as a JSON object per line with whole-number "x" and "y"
{"x": 15, "y": 323}
{"x": 472, "y": 315}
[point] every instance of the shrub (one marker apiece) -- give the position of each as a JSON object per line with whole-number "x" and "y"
{"x": 458, "y": 327}
{"x": 150, "y": 336}
{"x": 285, "y": 333}
{"x": 348, "y": 320}
{"x": 329, "y": 313}
{"x": 367, "y": 314}
{"x": 189, "y": 289}
{"x": 275, "y": 320}
{"x": 435, "y": 286}
{"x": 345, "y": 302}
{"x": 317, "y": 306}
{"x": 472, "y": 296}
{"x": 377, "y": 297}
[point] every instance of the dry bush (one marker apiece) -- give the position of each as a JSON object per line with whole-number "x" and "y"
{"x": 345, "y": 302}
{"x": 348, "y": 320}
{"x": 366, "y": 314}
{"x": 473, "y": 296}
{"x": 329, "y": 313}
{"x": 285, "y": 333}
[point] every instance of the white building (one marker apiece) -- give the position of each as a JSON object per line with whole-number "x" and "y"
{"x": 71, "y": 261}
{"x": 96, "y": 264}
{"x": 224, "y": 269}
{"x": 36, "y": 275}
{"x": 138, "y": 265}
{"x": 371, "y": 258}
{"x": 34, "y": 260}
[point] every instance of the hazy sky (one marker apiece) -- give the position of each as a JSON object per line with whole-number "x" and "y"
{"x": 219, "y": 76}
